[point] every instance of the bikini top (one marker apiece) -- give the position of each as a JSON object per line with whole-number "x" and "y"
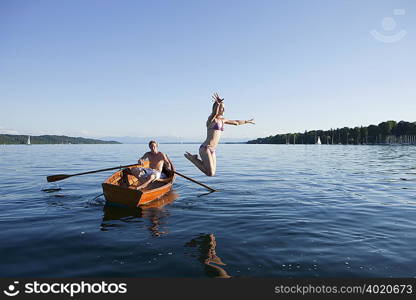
{"x": 218, "y": 126}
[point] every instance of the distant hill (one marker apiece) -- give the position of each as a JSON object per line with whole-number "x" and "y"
{"x": 49, "y": 139}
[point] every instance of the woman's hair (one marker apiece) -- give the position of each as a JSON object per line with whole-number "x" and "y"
{"x": 215, "y": 111}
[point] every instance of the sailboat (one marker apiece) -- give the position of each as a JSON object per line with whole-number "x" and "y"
{"x": 28, "y": 140}
{"x": 318, "y": 142}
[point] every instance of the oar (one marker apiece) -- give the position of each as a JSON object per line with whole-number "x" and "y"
{"x": 58, "y": 177}
{"x": 197, "y": 182}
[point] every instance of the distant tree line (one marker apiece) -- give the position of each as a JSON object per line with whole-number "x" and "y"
{"x": 49, "y": 139}
{"x": 389, "y": 132}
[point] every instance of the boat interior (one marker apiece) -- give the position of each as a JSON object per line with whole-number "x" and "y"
{"x": 134, "y": 182}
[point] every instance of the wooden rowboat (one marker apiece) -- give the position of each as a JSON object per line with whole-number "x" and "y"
{"x": 129, "y": 196}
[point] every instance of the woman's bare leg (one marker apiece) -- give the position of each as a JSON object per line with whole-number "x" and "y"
{"x": 208, "y": 160}
{"x": 214, "y": 163}
{"x": 193, "y": 158}
{"x": 206, "y": 164}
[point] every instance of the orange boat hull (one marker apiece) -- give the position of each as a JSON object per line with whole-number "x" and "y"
{"x": 129, "y": 196}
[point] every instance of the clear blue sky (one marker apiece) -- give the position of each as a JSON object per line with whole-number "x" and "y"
{"x": 148, "y": 68}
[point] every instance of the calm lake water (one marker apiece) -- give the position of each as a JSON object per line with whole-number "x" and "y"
{"x": 283, "y": 211}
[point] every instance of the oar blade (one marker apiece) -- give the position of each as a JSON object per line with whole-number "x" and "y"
{"x": 57, "y": 177}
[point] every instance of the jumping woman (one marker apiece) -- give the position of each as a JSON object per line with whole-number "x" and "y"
{"x": 215, "y": 126}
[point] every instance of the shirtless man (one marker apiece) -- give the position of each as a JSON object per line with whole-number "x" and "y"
{"x": 157, "y": 160}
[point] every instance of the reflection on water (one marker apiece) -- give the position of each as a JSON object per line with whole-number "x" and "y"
{"x": 206, "y": 244}
{"x": 51, "y": 190}
{"x": 153, "y": 211}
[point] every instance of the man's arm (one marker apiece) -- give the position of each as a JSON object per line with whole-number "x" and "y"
{"x": 142, "y": 159}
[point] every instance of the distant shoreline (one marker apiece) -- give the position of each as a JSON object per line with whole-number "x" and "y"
{"x": 118, "y": 143}
{"x": 10, "y": 139}
{"x": 385, "y": 133}
{"x": 174, "y": 143}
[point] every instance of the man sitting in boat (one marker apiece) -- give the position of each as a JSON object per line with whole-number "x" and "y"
{"x": 157, "y": 162}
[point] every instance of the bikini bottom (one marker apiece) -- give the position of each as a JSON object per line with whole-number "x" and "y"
{"x": 210, "y": 148}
